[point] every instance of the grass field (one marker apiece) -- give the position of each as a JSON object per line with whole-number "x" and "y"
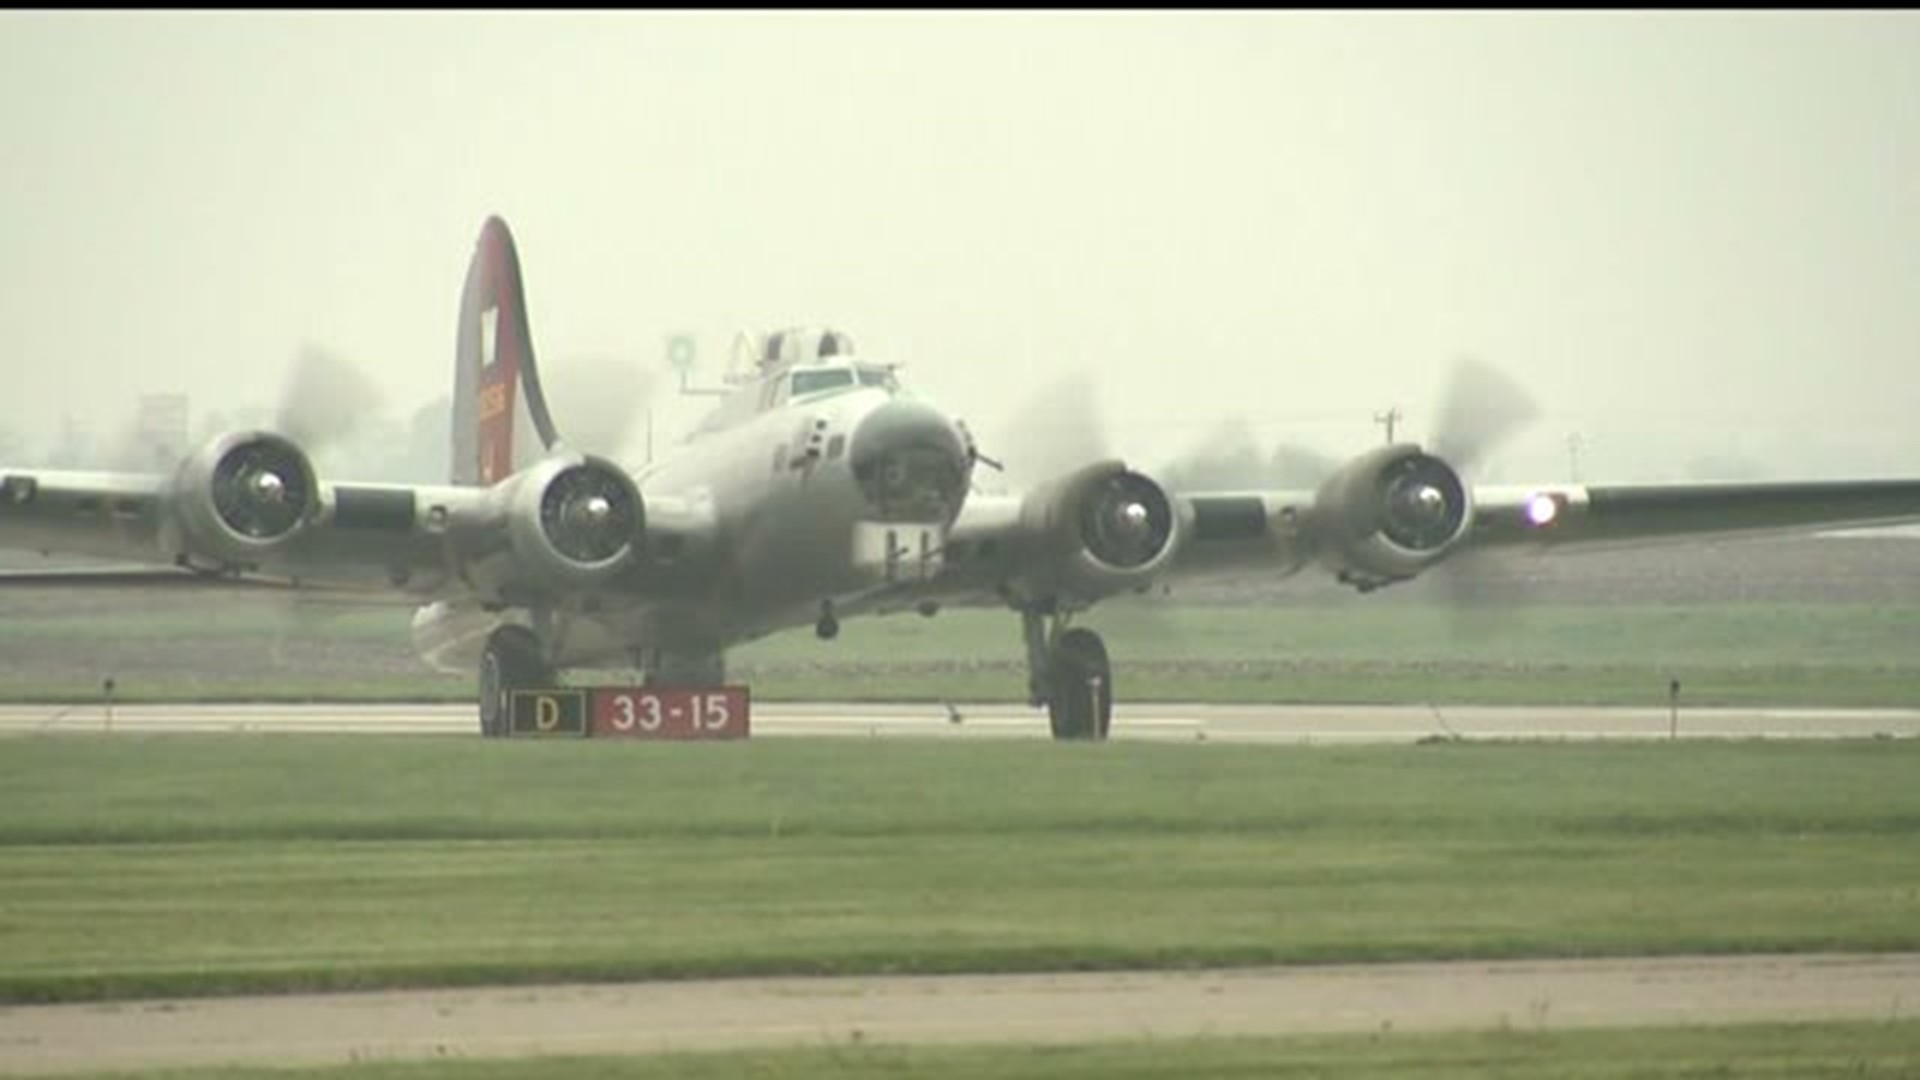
{"x": 190, "y": 865}
{"x": 1792, "y": 1052}
{"x": 1724, "y": 654}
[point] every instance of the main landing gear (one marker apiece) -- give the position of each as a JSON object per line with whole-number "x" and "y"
{"x": 1068, "y": 672}
{"x": 512, "y": 661}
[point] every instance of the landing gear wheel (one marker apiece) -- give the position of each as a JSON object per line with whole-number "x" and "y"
{"x": 1080, "y": 690}
{"x": 511, "y": 662}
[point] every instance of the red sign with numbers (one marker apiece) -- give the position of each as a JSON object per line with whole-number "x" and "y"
{"x": 689, "y": 712}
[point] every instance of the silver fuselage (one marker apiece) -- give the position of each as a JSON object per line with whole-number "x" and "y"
{"x": 769, "y": 527}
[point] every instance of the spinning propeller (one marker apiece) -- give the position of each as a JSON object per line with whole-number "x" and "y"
{"x": 599, "y": 403}
{"x": 325, "y": 400}
{"x": 1481, "y": 408}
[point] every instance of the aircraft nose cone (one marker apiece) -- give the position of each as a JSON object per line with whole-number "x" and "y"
{"x": 910, "y": 462}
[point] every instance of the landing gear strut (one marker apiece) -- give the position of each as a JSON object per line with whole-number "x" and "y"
{"x": 1068, "y": 672}
{"x": 674, "y": 667}
{"x": 511, "y": 662}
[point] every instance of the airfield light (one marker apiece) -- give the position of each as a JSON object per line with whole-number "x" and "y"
{"x": 1542, "y": 509}
{"x": 680, "y": 351}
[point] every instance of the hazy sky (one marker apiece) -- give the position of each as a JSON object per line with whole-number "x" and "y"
{"x": 1690, "y": 235}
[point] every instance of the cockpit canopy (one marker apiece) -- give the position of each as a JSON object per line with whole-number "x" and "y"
{"x": 794, "y": 364}
{"x": 803, "y": 360}
{"x": 813, "y": 380}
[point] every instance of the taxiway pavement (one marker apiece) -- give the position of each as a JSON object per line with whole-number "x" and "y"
{"x": 1285, "y": 724}
{"x": 797, "y": 1012}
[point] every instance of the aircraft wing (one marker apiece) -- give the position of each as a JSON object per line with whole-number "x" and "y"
{"x": 1349, "y": 530}
{"x": 165, "y": 531}
{"x": 247, "y": 510}
{"x": 104, "y": 515}
{"x": 1386, "y": 516}
{"x": 1614, "y": 514}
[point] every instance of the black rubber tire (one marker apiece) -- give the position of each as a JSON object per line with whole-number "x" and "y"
{"x": 510, "y": 662}
{"x": 1080, "y": 690}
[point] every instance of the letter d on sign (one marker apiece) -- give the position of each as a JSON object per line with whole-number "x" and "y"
{"x": 549, "y": 712}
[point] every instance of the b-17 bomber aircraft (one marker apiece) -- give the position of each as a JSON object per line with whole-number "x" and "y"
{"x": 819, "y": 489}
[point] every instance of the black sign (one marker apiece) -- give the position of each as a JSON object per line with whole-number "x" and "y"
{"x": 549, "y": 712}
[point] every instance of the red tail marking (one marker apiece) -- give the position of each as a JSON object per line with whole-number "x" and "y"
{"x": 500, "y": 358}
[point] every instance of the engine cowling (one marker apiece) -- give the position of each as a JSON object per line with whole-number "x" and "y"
{"x": 242, "y": 497}
{"x": 1101, "y": 530}
{"x": 573, "y": 522}
{"x": 1391, "y": 513}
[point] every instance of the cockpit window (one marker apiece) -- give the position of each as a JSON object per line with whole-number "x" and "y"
{"x": 881, "y": 377}
{"x": 829, "y": 345}
{"x": 813, "y": 381}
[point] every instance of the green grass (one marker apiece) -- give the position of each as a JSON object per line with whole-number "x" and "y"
{"x": 1737, "y": 634}
{"x": 189, "y": 687}
{"x": 1786, "y": 1051}
{"x": 1724, "y": 654}
{"x": 186, "y": 865}
{"x": 1748, "y": 654}
{"x": 1279, "y": 682}
{"x": 1330, "y": 683}
{"x": 1849, "y": 634}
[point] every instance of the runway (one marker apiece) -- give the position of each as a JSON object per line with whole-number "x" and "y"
{"x": 1315, "y": 725}
{"x": 1032, "y": 1009}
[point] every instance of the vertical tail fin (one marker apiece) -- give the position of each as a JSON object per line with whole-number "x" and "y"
{"x": 500, "y": 418}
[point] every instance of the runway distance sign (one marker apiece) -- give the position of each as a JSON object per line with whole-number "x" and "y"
{"x": 633, "y": 712}
{"x": 692, "y": 712}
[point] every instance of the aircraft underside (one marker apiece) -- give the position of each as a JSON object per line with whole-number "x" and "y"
{"x": 1069, "y": 672}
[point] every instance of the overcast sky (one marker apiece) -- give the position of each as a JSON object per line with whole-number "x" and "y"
{"x": 1690, "y": 235}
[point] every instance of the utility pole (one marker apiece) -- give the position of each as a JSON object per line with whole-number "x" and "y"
{"x": 1574, "y": 444}
{"x": 1388, "y": 420}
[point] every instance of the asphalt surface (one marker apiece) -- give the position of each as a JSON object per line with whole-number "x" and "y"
{"x": 1282, "y": 724}
{"x": 1030, "y": 1009}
